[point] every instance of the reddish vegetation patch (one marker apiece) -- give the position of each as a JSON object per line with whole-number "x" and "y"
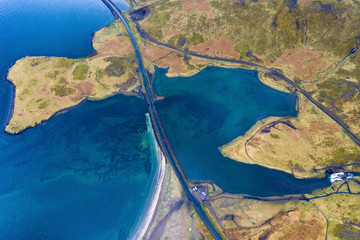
{"x": 153, "y": 53}
{"x": 221, "y": 47}
{"x": 283, "y": 226}
{"x": 289, "y": 226}
{"x": 116, "y": 47}
{"x": 124, "y": 86}
{"x": 198, "y": 6}
{"x": 306, "y": 63}
{"x": 84, "y": 89}
{"x": 175, "y": 62}
{"x": 303, "y": 2}
{"x": 165, "y": 59}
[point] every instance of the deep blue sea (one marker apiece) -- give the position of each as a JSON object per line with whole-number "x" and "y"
{"x": 84, "y": 174}
{"x": 210, "y": 109}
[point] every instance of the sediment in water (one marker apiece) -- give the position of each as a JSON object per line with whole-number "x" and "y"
{"x": 148, "y": 213}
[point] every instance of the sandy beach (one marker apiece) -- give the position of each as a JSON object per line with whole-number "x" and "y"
{"x": 150, "y": 210}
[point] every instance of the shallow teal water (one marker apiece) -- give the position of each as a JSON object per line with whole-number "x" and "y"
{"x": 84, "y": 174}
{"x": 205, "y": 111}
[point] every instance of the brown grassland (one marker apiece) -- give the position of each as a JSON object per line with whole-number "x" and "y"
{"x": 298, "y": 40}
{"x": 241, "y": 218}
{"x": 46, "y": 85}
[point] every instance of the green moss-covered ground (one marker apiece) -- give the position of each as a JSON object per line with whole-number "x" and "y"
{"x": 80, "y": 71}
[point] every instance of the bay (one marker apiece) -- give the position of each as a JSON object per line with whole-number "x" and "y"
{"x": 203, "y": 112}
{"x": 86, "y": 173}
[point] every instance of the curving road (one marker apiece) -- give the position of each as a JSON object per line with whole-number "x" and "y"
{"x": 270, "y": 72}
{"x": 166, "y": 147}
{"x": 160, "y": 133}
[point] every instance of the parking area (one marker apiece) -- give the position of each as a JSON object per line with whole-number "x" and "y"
{"x": 200, "y": 192}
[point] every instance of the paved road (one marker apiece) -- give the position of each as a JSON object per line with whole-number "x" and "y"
{"x": 166, "y": 147}
{"x": 320, "y": 106}
{"x": 270, "y": 72}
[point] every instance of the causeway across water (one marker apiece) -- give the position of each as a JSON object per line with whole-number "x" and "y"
{"x": 161, "y": 136}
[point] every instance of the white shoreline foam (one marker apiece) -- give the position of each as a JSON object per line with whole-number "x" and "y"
{"x": 340, "y": 176}
{"x": 149, "y": 211}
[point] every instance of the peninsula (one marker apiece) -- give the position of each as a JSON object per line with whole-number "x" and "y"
{"x": 45, "y": 86}
{"x": 286, "y": 37}
{"x": 308, "y": 48}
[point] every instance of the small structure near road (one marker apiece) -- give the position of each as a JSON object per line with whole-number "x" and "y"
{"x": 200, "y": 192}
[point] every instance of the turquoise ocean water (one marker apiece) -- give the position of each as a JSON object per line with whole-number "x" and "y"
{"x": 84, "y": 174}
